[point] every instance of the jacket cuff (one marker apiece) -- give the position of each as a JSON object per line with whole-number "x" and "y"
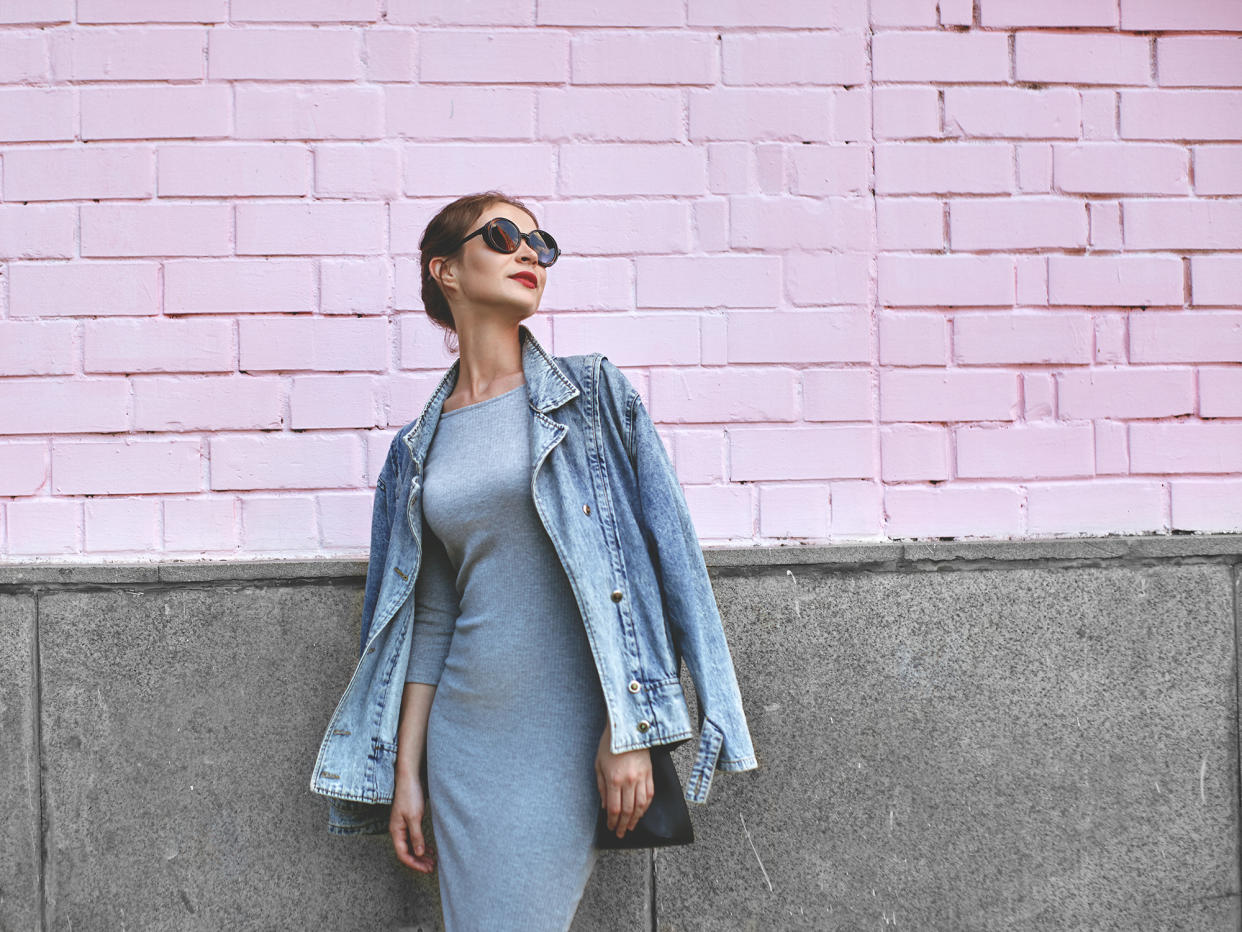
{"x": 700, "y": 782}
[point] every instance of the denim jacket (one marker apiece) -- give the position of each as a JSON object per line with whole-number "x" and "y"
{"x": 607, "y": 494}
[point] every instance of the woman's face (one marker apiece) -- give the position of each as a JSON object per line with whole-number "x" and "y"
{"x": 479, "y": 276}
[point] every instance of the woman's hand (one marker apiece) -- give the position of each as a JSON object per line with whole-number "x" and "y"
{"x": 625, "y": 784}
{"x": 405, "y": 824}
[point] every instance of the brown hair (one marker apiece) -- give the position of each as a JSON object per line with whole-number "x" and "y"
{"x": 442, "y": 238}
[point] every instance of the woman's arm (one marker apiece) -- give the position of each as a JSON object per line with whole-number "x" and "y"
{"x": 405, "y": 824}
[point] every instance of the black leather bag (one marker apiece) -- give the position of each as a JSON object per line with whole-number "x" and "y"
{"x": 666, "y": 821}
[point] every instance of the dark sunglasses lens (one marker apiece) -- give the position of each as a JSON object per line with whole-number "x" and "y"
{"x": 504, "y": 235}
{"x": 545, "y": 247}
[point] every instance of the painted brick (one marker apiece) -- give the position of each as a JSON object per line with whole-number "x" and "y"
{"x": 1058, "y": 13}
{"x": 794, "y": 510}
{"x": 641, "y": 57}
{"x": 493, "y": 57}
{"x": 794, "y": 58}
{"x": 1218, "y": 169}
{"x": 821, "y": 171}
{"x": 151, "y": 11}
{"x": 1012, "y": 112}
{"x": 37, "y": 348}
{"x": 1105, "y": 225}
{"x": 234, "y": 170}
{"x": 1182, "y": 224}
{"x": 452, "y": 13}
{"x": 1028, "y": 451}
{"x": 272, "y": 524}
{"x": 946, "y": 280}
{"x": 798, "y": 223}
{"x": 36, "y": 231}
{"x": 1034, "y": 167}
{"x": 909, "y": 223}
{"x": 1110, "y": 339}
{"x": 1016, "y": 223}
{"x": 943, "y": 168}
{"x": 158, "y": 346}
{"x": 1099, "y": 114}
{"x": 319, "y": 401}
{"x": 44, "y": 526}
{"x": 605, "y": 113}
{"x": 286, "y": 461}
{"x": 310, "y": 229}
{"x": 37, "y": 11}
{"x": 78, "y": 289}
{"x": 306, "y": 11}
{"x": 354, "y": 286}
{"x": 1216, "y": 280}
{"x": 450, "y": 169}
{"x": 782, "y": 337}
{"x": 1211, "y": 505}
{"x": 906, "y": 112}
{"x": 1185, "y": 14}
{"x": 202, "y": 524}
{"x": 804, "y": 14}
{"x": 914, "y": 453}
{"x": 24, "y": 58}
{"x": 51, "y": 406}
{"x": 131, "y": 54}
{"x": 1186, "y": 446}
{"x": 904, "y": 12}
{"x": 341, "y": 344}
{"x": 329, "y": 111}
{"x": 154, "y": 112}
{"x": 390, "y": 54}
{"x": 1083, "y": 58}
{"x": 23, "y": 467}
{"x": 62, "y": 174}
{"x": 1031, "y": 274}
{"x": 1098, "y": 507}
{"x": 917, "y": 339}
{"x": 229, "y": 286}
{"x": 1220, "y": 392}
{"x": 362, "y": 171}
{"x": 827, "y": 278}
{"x": 35, "y": 114}
{"x": 1201, "y": 337}
{"x": 1141, "y": 392}
{"x": 758, "y": 453}
{"x": 1168, "y": 115}
{"x": 459, "y": 112}
{"x": 1038, "y": 397}
{"x": 1021, "y": 338}
{"x": 208, "y": 403}
{"x": 761, "y": 113}
{"x": 837, "y": 395}
{"x": 948, "y": 395}
{"x": 1193, "y": 61}
{"x": 1115, "y": 280}
{"x": 153, "y": 229}
{"x": 960, "y": 511}
{"x": 345, "y": 520}
{"x": 708, "y": 281}
{"x": 957, "y": 12}
{"x": 120, "y": 524}
{"x": 126, "y": 467}
{"x": 1121, "y": 168}
{"x": 940, "y": 56}
{"x": 284, "y": 54}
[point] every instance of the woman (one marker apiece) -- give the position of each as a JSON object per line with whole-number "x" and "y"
{"x": 557, "y": 584}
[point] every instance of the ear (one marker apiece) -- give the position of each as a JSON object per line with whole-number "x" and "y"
{"x": 441, "y": 270}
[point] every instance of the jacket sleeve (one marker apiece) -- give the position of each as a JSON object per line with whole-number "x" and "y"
{"x": 436, "y": 607}
{"x": 689, "y": 601}
{"x": 381, "y": 525}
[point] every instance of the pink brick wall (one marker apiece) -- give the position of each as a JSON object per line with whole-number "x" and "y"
{"x": 894, "y": 269}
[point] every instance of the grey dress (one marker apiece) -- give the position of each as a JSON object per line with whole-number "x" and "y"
{"x": 518, "y": 711}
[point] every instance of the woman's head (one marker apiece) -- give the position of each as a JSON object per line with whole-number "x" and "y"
{"x": 469, "y": 276}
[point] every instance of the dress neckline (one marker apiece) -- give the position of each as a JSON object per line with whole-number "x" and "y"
{"x": 478, "y": 404}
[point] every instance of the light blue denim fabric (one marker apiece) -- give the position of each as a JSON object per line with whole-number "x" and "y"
{"x": 614, "y": 510}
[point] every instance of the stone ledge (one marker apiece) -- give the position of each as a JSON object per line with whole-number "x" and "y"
{"x": 906, "y": 553}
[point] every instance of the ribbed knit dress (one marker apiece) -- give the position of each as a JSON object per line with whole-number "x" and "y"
{"x": 518, "y": 711}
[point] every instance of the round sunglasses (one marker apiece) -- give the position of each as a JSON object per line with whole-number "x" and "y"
{"x": 503, "y": 235}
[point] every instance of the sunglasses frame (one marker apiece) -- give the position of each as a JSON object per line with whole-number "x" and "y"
{"x": 489, "y": 237}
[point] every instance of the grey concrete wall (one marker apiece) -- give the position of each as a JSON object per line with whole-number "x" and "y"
{"x": 957, "y": 736}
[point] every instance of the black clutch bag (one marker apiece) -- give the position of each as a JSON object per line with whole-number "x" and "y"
{"x": 667, "y": 819}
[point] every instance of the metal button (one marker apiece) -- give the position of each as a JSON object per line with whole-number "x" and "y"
{"x": 644, "y": 725}
{"x": 616, "y": 595}
{"x": 586, "y": 509}
{"x": 635, "y": 686}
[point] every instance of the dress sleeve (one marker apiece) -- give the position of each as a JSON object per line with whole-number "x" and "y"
{"x": 436, "y": 607}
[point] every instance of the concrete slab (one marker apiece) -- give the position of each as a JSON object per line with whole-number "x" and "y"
{"x": 19, "y": 766}
{"x": 1027, "y": 748}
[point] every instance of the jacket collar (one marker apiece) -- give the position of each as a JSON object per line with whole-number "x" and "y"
{"x": 547, "y": 388}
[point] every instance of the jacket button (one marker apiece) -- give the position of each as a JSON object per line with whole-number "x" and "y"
{"x": 635, "y": 686}
{"x": 616, "y": 595}
{"x": 586, "y": 509}
{"x": 644, "y": 725}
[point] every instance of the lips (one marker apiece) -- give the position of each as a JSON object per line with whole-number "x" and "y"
{"x": 527, "y": 278}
